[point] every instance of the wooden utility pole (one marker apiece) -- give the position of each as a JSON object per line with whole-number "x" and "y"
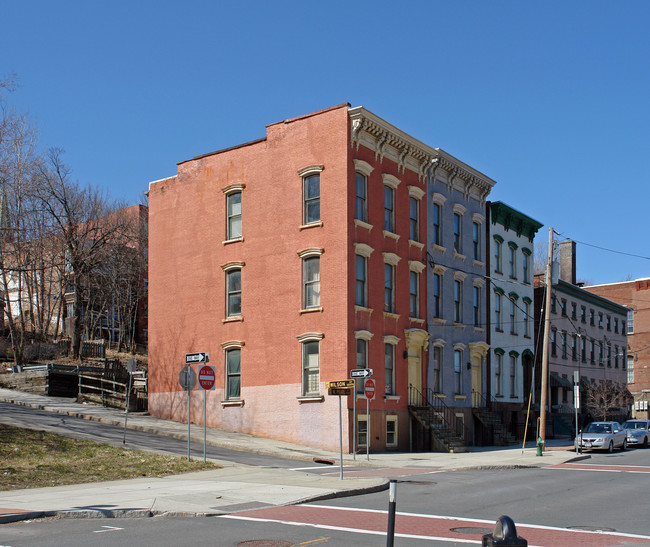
{"x": 547, "y": 326}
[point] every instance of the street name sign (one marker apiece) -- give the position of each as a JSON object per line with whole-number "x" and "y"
{"x": 187, "y": 378}
{"x": 361, "y": 373}
{"x": 369, "y": 389}
{"x": 207, "y": 377}
{"x": 198, "y": 357}
{"x": 339, "y": 391}
{"x": 341, "y": 383}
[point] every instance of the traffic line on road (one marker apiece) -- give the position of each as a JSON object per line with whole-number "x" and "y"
{"x": 428, "y": 527}
{"x": 108, "y": 529}
{"x": 607, "y": 468}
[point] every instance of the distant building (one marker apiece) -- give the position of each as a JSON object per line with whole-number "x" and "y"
{"x": 588, "y": 336}
{"x": 634, "y": 295}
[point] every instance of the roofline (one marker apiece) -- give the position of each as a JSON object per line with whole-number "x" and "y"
{"x": 619, "y": 282}
{"x": 249, "y": 143}
{"x": 570, "y": 288}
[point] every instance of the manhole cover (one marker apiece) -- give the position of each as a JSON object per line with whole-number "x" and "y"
{"x": 265, "y": 543}
{"x": 472, "y": 530}
{"x": 591, "y": 528}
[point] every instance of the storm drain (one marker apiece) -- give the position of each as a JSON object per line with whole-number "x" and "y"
{"x": 472, "y": 530}
{"x": 591, "y": 528}
{"x": 265, "y": 543}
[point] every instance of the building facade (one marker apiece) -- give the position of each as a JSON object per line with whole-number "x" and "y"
{"x": 298, "y": 257}
{"x": 511, "y": 332}
{"x": 634, "y": 295}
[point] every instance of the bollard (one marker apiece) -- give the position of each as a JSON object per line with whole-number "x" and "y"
{"x": 392, "y": 503}
{"x": 504, "y": 535}
{"x": 540, "y": 446}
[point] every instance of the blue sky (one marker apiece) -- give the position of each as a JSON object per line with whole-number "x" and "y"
{"x": 551, "y": 100}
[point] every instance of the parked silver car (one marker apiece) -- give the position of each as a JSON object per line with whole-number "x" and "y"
{"x": 602, "y": 436}
{"x": 638, "y": 432}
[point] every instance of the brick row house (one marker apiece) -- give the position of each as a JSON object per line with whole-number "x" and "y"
{"x": 635, "y": 296}
{"x": 336, "y": 242}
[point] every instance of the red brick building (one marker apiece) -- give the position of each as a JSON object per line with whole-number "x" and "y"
{"x": 291, "y": 260}
{"x": 636, "y": 296}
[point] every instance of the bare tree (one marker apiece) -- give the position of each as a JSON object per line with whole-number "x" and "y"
{"x": 606, "y": 398}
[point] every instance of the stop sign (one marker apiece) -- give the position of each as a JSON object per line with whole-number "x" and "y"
{"x": 206, "y": 377}
{"x": 369, "y": 388}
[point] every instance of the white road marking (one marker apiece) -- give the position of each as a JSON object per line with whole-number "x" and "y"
{"x": 109, "y": 529}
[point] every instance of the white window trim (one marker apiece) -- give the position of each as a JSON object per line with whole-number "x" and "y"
{"x": 363, "y": 167}
{"x": 363, "y": 335}
{"x": 311, "y": 170}
{"x": 415, "y": 192}
{"x": 478, "y": 218}
{"x": 362, "y": 249}
{"x": 392, "y": 418}
{"x": 416, "y": 266}
{"x": 390, "y": 180}
{"x": 439, "y": 199}
{"x": 232, "y": 265}
{"x": 391, "y": 258}
{"x": 390, "y": 339}
{"x": 459, "y": 209}
{"x": 312, "y": 251}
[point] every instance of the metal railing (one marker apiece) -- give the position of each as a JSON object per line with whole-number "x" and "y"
{"x": 431, "y": 400}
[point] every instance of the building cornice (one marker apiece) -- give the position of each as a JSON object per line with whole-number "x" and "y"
{"x": 511, "y": 219}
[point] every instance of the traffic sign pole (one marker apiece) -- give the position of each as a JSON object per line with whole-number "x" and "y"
{"x": 367, "y": 429}
{"x": 340, "y": 441}
{"x": 189, "y": 414}
{"x": 354, "y": 425}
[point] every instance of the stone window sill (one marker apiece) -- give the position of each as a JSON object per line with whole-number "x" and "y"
{"x": 362, "y": 224}
{"x": 234, "y": 319}
{"x": 311, "y": 399}
{"x": 311, "y": 310}
{"x": 318, "y": 224}
{"x": 238, "y": 402}
{"x": 233, "y": 240}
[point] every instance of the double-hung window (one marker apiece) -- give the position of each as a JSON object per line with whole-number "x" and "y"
{"x": 437, "y": 363}
{"x": 525, "y": 266}
{"x": 513, "y": 375}
{"x": 498, "y": 373}
{"x": 498, "y": 322}
{"x": 458, "y": 371}
{"x": 458, "y": 236}
{"x": 233, "y": 374}
{"x": 497, "y": 256}
{"x": 389, "y": 288}
{"x": 311, "y": 282}
{"x": 476, "y": 295}
{"x": 414, "y": 294}
{"x": 437, "y": 295}
{"x": 362, "y": 339}
{"x": 389, "y": 208}
{"x": 476, "y": 241}
{"x": 362, "y": 200}
{"x": 526, "y": 318}
{"x": 233, "y": 214}
{"x": 437, "y": 224}
{"x": 389, "y": 364}
{"x": 311, "y": 198}
{"x": 414, "y": 219}
{"x": 513, "y": 316}
{"x": 362, "y": 280}
{"x": 458, "y": 301}
{"x": 233, "y": 292}
{"x": 310, "y": 367}
{"x": 512, "y": 260}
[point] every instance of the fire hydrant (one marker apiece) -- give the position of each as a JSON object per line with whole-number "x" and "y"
{"x": 540, "y": 446}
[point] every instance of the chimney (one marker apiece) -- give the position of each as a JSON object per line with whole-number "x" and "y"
{"x": 568, "y": 261}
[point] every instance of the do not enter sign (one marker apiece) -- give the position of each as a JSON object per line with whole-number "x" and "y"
{"x": 369, "y": 389}
{"x": 206, "y": 377}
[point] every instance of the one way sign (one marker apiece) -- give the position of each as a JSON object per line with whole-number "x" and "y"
{"x": 200, "y": 357}
{"x": 361, "y": 373}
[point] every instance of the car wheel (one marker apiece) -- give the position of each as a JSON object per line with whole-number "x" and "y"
{"x": 645, "y": 442}
{"x": 624, "y": 445}
{"x": 610, "y": 449}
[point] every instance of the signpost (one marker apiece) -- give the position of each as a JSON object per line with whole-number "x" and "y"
{"x": 187, "y": 380}
{"x": 369, "y": 389}
{"x": 131, "y": 365}
{"x": 207, "y": 380}
{"x": 340, "y": 388}
{"x": 576, "y": 403}
{"x": 369, "y": 392}
{"x": 357, "y": 373}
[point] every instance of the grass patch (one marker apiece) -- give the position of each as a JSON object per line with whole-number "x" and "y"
{"x": 32, "y": 459}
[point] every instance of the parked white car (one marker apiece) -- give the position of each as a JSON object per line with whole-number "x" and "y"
{"x": 638, "y": 432}
{"x": 602, "y": 436}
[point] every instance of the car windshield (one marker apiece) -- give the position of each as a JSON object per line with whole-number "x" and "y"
{"x": 634, "y": 425}
{"x": 598, "y": 428}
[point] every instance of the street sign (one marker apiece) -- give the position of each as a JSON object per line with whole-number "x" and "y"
{"x": 207, "y": 377}
{"x": 341, "y": 383}
{"x": 339, "y": 391}
{"x": 369, "y": 390}
{"x": 361, "y": 373}
{"x": 187, "y": 378}
{"x": 199, "y": 357}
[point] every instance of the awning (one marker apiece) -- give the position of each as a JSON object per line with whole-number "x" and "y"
{"x": 558, "y": 381}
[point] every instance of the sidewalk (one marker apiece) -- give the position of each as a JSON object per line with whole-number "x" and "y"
{"x": 235, "y": 487}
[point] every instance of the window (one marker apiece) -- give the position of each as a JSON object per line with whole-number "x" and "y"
{"x": 437, "y": 362}
{"x": 630, "y": 369}
{"x": 615, "y": 356}
{"x": 601, "y": 355}
{"x": 553, "y": 342}
{"x": 512, "y": 261}
{"x": 526, "y": 318}
{"x": 609, "y": 355}
{"x": 583, "y": 314}
{"x": 391, "y": 431}
{"x": 458, "y": 301}
{"x": 616, "y": 324}
{"x": 592, "y": 351}
{"x": 574, "y": 347}
{"x": 362, "y": 430}
{"x": 310, "y": 367}
{"x": 574, "y": 310}
{"x": 553, "y": 303}
{"x": 564, "y": 347}
{"x": 525, "y": 265}
{"x": 437, "y": 219}
{"x": 311, "y": 198}
{"x": 362, "y": 205}
{"x": 362, "y": 293}
{"x": 498, "y": 374}
{"x": 233, "y": 374}
{"x": 563, "y": 307}
{"x": 233, "y": 292}
{"x": 630, "y": 322}
{"x": 608, "y": 322}
{"x": 414, "y": 219}
{"x": 389, "y": 288}
{"x": 311, "y": 282}
{"x": 476, "y": 241}
{"x": 362, "y": 339}
{"x": 389, "y": 363}
{"x": 414, "y": 292}
{"x": 497, "y": 256}
{"x": 458, "y": 243}
{"x": 233, "y": 214}
{"x": 583, "y": 349}
{"x": 600, "y": 320}
{"x": 389, "y": 209}
{"x": 513, "y": 316}
{"x": 591, "y": 317}
{"x": 513, "y": 376}
{"x": 458, "y": 371}
{"x": 437, "y": 295}
{"x": 476, "y": 294}
{"x": 498, "y": 324}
